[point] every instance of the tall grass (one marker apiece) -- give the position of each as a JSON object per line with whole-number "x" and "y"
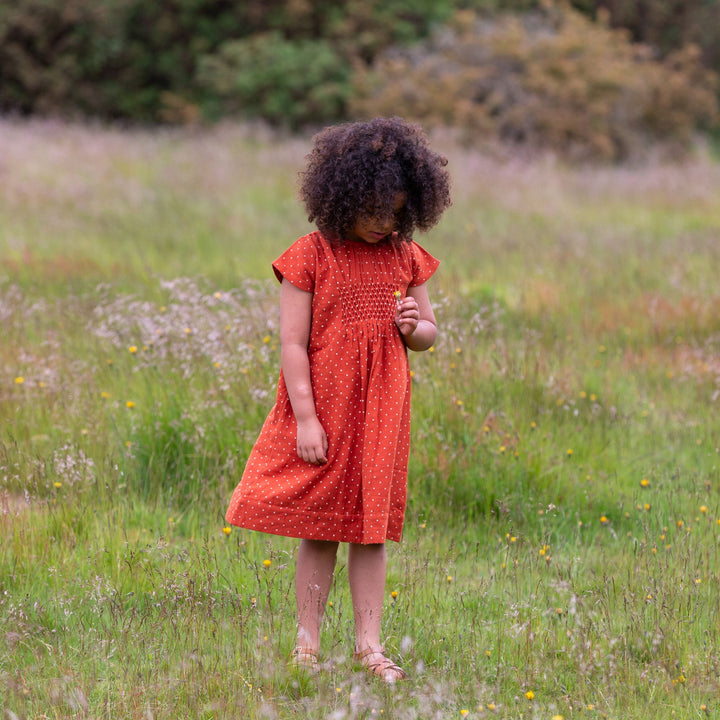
{"x": 560, "y": 553}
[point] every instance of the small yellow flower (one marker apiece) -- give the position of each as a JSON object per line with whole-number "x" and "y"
{"x": 449, "y": 578}
{"x": 458, "y": 350}
{"x": 604, "y": 520}
{"x": 593, "y": 397}
{"x": 680, "y": 523}
{"x": 464, "y": 712}
{"x": 57, "y": 484}
{"x": 394, "y": 594}
{"x": 569, "y": 452}
{"x": 557, "y": 717}
{"x": 533, "y": 425}
{"x": 227, "y": 530}
{"x": 583, "y": 394}
{"x": 132, "y": 349}
{"x": 266, "y": 339}
{"x": 529, "y": 694}
{"x": 129, "y": 404}
{"x": 105, "y": 395}
{"x": 188, "y": 331}
{"x": 267, "y": 563}
{"x": 19, "y": 380}
{"x": 703, "y": 509}
{"x": 502, "y": 448}
{"x": 644, "y": 483}
{"x": 491, "y": 707}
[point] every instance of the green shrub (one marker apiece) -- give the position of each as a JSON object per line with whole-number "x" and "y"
{"x": 551, "y": 80}
{"x": 285, "y": 82}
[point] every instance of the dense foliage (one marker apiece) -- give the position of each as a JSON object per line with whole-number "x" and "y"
{"x": 296, "y": 63}
{"x": 551, "y": 80}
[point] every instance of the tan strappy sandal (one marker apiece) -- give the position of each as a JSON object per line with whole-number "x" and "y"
{"x": 379, "y": 665}
{"x": 305, "y": 659}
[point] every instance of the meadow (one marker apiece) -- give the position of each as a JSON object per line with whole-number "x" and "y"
{"x": 560, "y": 556}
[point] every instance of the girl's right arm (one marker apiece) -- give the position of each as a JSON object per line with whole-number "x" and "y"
{"x": 295, "y": 316}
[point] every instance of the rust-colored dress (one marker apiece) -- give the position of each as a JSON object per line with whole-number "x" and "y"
{"x": 361, "y": 384}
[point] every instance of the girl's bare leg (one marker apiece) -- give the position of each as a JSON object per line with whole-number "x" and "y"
{"x": 366, "y": 571}
{"x": 313, "y": 578}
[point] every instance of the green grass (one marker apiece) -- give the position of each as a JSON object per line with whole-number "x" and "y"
{"x": 562, "y": 532}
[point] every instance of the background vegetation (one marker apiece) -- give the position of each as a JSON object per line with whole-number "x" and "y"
{"x": 561, "y": 549}
{"x": 590, "y": 80}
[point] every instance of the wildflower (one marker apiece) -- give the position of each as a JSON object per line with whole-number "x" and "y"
{"x": 680, "y": 523}
{"x": 398, "y": 298}
{"x": 266, "y": 339}
{"x": 132, "y": 349}
{"x": 583, "y": 394}
{"x": 394, "y": 594}
{"x": 491, "y": 707}
{"x": 458, "y": 350}
{"x": 593, "y": 397}
{"x": 267, "y": 563}
{"x": 464, "y": 712}
{"x": 57, "y": 484}
{"x": 19, "y": 380}
{"x": 644, "y": 483}
{"x": 569, "y": 452}
{"x": 488, "y": 653}
{"x": 604, "y": 520}
{"x": 557, "y": 717}
{"x": 502, "y": 448}
{"x": 703, "y": 509}
{"x": 129, "y": 404}
{"x": 529, "y": 694}
{"x": 105, "y": 395}
{"x": 449, "y": 578}
{"x": 533, "y": 425}
{"x": 227, "y": 530}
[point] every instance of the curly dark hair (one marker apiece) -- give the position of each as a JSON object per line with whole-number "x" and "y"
{"x": 360, "y": 167}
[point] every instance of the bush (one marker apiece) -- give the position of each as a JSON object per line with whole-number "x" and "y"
{"x": 551, "y": 80}
{"x": 285, "y": 82}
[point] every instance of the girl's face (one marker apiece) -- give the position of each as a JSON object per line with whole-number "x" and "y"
{"x": 372, "y": 227}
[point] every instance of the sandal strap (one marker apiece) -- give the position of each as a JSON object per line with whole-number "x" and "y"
{"x": 382, "y": 667}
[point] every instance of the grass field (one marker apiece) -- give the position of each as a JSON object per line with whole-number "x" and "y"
{"x": 561, "y": 547}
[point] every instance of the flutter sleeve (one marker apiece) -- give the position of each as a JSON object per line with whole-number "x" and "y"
{"x": 298, "y": 264}
{"x": 423, "y": 264}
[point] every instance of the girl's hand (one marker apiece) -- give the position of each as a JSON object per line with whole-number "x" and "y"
{"x": 407, "y": 316}
{"x": 312, "y": 442}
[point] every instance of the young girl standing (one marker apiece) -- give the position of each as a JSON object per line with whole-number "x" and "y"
{"x": 330, "y": 464}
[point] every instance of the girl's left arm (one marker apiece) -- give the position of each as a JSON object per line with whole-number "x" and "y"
{"x": 415, "y": 319}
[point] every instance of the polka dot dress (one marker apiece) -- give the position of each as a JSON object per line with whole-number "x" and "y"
{"x": 361, "y": 383}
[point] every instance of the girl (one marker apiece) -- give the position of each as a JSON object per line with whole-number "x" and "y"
{"x": 330, "y": 464}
